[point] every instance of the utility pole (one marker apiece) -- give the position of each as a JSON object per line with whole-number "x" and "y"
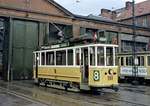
{"x": 135, "y": 61}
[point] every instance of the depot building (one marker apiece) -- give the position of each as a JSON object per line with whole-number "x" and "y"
{"x": 25, "y": 25}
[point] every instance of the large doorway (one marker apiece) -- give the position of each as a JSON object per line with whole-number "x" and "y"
{"x": 24, "y": 42}
{"x": 2, "y": 30}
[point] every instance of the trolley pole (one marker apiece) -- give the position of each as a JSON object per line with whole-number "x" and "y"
{"x": 134, "y": 68}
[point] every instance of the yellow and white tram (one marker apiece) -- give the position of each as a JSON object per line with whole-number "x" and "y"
{"x": 126, "y": 69}
{"x": 84, "y": 67}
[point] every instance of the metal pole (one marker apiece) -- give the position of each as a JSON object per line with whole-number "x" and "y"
{"x": 9, "y": 71}
{"x": 134, "y": 69}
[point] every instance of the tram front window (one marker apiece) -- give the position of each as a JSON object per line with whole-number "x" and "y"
{"x": 100, "y": 56}
{"x": 77, "y": 56}
{"x": 109, "y": 56}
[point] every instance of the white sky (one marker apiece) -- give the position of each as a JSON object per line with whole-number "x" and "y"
{"x": 86, "y": 7}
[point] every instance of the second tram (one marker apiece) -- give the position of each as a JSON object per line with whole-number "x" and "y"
{"x": 84, "y": 67}
{"x": 126, "y": 68}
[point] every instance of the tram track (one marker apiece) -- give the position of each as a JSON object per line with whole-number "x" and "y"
{"x": 125, "y": 101}
{"x": 89, "y": 98}
{"x": 134, "y": 89}
{"x": 112, "y": 99}
{"x": 22, "y": 96}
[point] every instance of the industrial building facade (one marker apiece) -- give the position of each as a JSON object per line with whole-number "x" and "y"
{"x": 25, "y": 25}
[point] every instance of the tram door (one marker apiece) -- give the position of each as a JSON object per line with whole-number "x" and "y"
{"x": 36, "y": 65}
{"x": 84, "y": 65}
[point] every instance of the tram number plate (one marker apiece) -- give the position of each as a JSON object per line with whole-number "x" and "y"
{"x": 96, "y": 75}
{"x": 110, "y": 77}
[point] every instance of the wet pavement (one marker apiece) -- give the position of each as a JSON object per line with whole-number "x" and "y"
{"x": 25, "y": 93}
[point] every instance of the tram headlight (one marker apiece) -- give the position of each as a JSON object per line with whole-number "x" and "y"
{"x": 110, "y": 71}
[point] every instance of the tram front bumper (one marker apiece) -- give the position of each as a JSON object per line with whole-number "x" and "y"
{"x": 115, "y": 87}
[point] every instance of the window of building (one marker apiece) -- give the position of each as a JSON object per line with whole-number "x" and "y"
{"x": 91, "y": 31}
{"x": 127, "y": 46}
{"x": 148, "y": 60}
{"x": 92, "y": 56}
{"x": 61, "y": 57}
{"x": 50, "y": 58}
{"x": 101, "y": 34}
{"x": 136, "y": 21}
{"x": 109, "y": 56}
{"x": 82, "y": 30}
{"x": 77, "y": 56}
{"x": 55, "y": 29}
{"x": 144, "y": 21}
{"x": 100, "y": 56}
{"x": 112, "y": 38}
{"x": 70, "y": 57}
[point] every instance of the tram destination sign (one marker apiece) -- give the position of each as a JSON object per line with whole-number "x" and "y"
{"x": 130, "y": 71}
{"x": 55, "y": 46}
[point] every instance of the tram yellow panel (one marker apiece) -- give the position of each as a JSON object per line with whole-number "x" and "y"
{"x": 60, "y": 73}
{"x": 105, "y": 79}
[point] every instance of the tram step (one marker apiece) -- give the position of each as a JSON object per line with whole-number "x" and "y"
{"x": 84, "y": 87}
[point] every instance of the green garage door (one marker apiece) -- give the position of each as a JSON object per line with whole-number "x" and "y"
{"x": 25, "y": 40}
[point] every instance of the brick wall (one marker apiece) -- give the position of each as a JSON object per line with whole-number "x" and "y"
{"x": 45, "y": 7}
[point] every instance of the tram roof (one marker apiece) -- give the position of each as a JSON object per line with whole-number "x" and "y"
{"x": 130, "y": 53}
{"x": 79, "y": 46}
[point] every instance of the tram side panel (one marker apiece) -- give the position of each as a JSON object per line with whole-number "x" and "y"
{"x": 59, "y": 73}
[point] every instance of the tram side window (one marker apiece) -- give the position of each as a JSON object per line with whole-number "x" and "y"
{"x": 92, "y": 56}
{"x": 61, "y": 57}
{"x": 70, "y": 57}
{"x": 140, "y": 60}
{"x": 116, "y": 57}
{"x": 148, "y": 60}
{"x": 50, "y": 58}
{"x": 129, "y": 61}
{"x": 77, "y": 56}
{"x": 109, "y": 56}
{"x": 100, "y": 56}
{"x": 121, "y": 61}
{"x": 43, "y": 58}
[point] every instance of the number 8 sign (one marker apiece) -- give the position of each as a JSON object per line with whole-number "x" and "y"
{"x": 96, "y": 75}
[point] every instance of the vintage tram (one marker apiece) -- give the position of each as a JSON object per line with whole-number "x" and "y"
{"x": 126, "y": 67}
{"x": 82, "y": 67}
